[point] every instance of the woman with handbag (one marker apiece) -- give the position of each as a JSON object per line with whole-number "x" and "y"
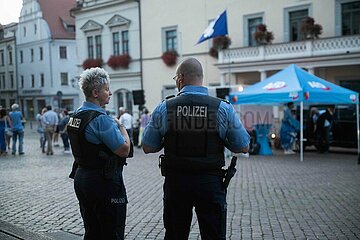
{"x": 5, "y": 131}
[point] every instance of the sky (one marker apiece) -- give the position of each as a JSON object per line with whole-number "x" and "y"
{"x": 10, "y": 11}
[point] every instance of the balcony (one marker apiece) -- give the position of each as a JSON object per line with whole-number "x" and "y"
{"x": 292, "y": 50}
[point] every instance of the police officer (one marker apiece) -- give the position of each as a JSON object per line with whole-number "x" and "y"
{"x": 193, "y": 128}
{"x": 99, "y": 145}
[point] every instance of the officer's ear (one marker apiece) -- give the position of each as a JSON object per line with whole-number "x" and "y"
{"x": 94, "y": 93}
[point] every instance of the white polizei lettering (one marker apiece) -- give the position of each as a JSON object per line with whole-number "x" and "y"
{"x": 178, "y": 113}
{"x": 74, "y": 122}
{"x": 191, "y": 111}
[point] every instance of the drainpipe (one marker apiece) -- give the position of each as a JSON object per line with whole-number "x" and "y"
{"x": 140, "y": 36}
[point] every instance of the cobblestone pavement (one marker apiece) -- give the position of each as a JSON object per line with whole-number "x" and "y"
{"x": 270, "y": 197}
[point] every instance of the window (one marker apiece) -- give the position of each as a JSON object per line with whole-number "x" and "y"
{"x": 98, "y": 46}
{"x": 2, "y": 58}
{"x": 125, "y": 42}
{"x": 12, "y": 83}
{"x": 116, "y": 44}
{"x": 32, "y": 80}
{"x": 63, "y": 54}
{"x": 21, "y": 56}
{"x": 31, "y": 55}
{"x": 90, "y": 45}
{"x": 350, "y": 18}
{"x": 64, "y": 79}
{"x": 24, "y": 29}
{"x": 41, "y": 53}
{"x": 35, "y": 29}
{"x": 295, "y": 20}
{"x": 22, "y": 81}
{"x": 10, "y": 58}
{"x": 42, "y": 80}
{"x": 252, "y": 24}
{"x": 170, "y": 40}
{"x": 2, "y": 83}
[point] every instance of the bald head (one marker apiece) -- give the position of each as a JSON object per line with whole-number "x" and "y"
{"x": 191, "y": 70}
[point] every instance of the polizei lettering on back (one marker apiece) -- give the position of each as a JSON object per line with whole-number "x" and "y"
{"x": 191, "y": 111}
{"x": 74, "y": 122}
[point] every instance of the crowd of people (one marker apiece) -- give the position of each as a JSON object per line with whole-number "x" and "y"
{"x": 50, "y": 125}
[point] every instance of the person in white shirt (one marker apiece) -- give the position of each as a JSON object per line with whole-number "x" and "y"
{"x": 126, "y": 119}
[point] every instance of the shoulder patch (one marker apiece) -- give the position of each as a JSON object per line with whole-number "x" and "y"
{"x": 169, "y": 97}
{"x": 225, "y": 100}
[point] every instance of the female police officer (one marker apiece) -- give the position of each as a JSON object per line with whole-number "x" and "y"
{"x": 100, "y": 145}
{"x": 193, "y": 128}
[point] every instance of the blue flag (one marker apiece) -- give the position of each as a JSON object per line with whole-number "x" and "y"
{"x": 218, "y": 27}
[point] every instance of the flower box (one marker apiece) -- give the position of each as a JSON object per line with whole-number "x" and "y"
{"x": 120, "y": 61}
{"x": 90, "y": 63}
{"x": 169, "y": 58}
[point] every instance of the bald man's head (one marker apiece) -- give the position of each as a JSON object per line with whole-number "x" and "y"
{"x": 191, "y": 71}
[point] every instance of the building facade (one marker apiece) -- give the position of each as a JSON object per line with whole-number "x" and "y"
{"x": 46, "y": 56}
{"x": 108, "y": 32}
{"x": 8, "y": 65}
{"x": 334, "y": 55}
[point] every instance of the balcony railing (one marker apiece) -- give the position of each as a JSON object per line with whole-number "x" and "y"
{"x": 308, "y": 48}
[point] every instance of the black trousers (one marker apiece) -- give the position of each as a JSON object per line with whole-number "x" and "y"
{"x": 102, "y": 205}
{"x": 206, "y": 194}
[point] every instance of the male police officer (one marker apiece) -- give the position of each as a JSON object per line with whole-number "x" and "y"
{"x": 193, "y": 128}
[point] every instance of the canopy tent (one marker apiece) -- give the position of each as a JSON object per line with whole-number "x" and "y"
{"x": 293, "y": 84}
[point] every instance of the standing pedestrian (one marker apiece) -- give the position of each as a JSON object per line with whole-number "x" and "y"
{"x": 40, "y": 127}
{"x": 323, "y": 129}
{"x": 100, "y": 145}
{"x": 5, "y": 129}
{"x": 50, "y": 119}
{"x": 63, "y": 130}
{"x": 144, "y": 120}
{"x": 193, "y": 128}
{"x": 16, "y": 118}
{"x": 289, "y": 128}
{"x": 126, "y": 119}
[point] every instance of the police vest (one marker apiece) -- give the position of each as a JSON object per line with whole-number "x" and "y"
{"x": 86, "y": 154}
{"x": 192, "y": 140}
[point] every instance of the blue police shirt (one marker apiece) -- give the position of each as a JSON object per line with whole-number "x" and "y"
{"x": 102, "y": 129}
{"x": 230, "y": 129}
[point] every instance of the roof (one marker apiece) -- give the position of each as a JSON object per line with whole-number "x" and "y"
{"x": 57, "y": 15}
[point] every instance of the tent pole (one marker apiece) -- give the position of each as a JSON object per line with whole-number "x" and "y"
{"x": 357, "y": 127}
{"x": 301, "y": 131}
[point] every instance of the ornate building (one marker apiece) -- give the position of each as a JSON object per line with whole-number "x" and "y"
{"x": 108, "y": 36}
{"x": 8, "y": 86}
{"x": 46, "y": 56}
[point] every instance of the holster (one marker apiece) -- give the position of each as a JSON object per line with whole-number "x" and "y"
{"x": 162, "y": 164}
{"x": 73, "y": 170}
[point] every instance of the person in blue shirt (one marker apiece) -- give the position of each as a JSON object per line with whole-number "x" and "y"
{"x": 16, "y": 118}
{"x": 193, "y": 128}
{"x": 100, "y": 145}
{"x": 289, "y": 129}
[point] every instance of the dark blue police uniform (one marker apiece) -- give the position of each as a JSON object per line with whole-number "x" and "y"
{"x": 98, "y": 180}
{"x": 194, "y": 128}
